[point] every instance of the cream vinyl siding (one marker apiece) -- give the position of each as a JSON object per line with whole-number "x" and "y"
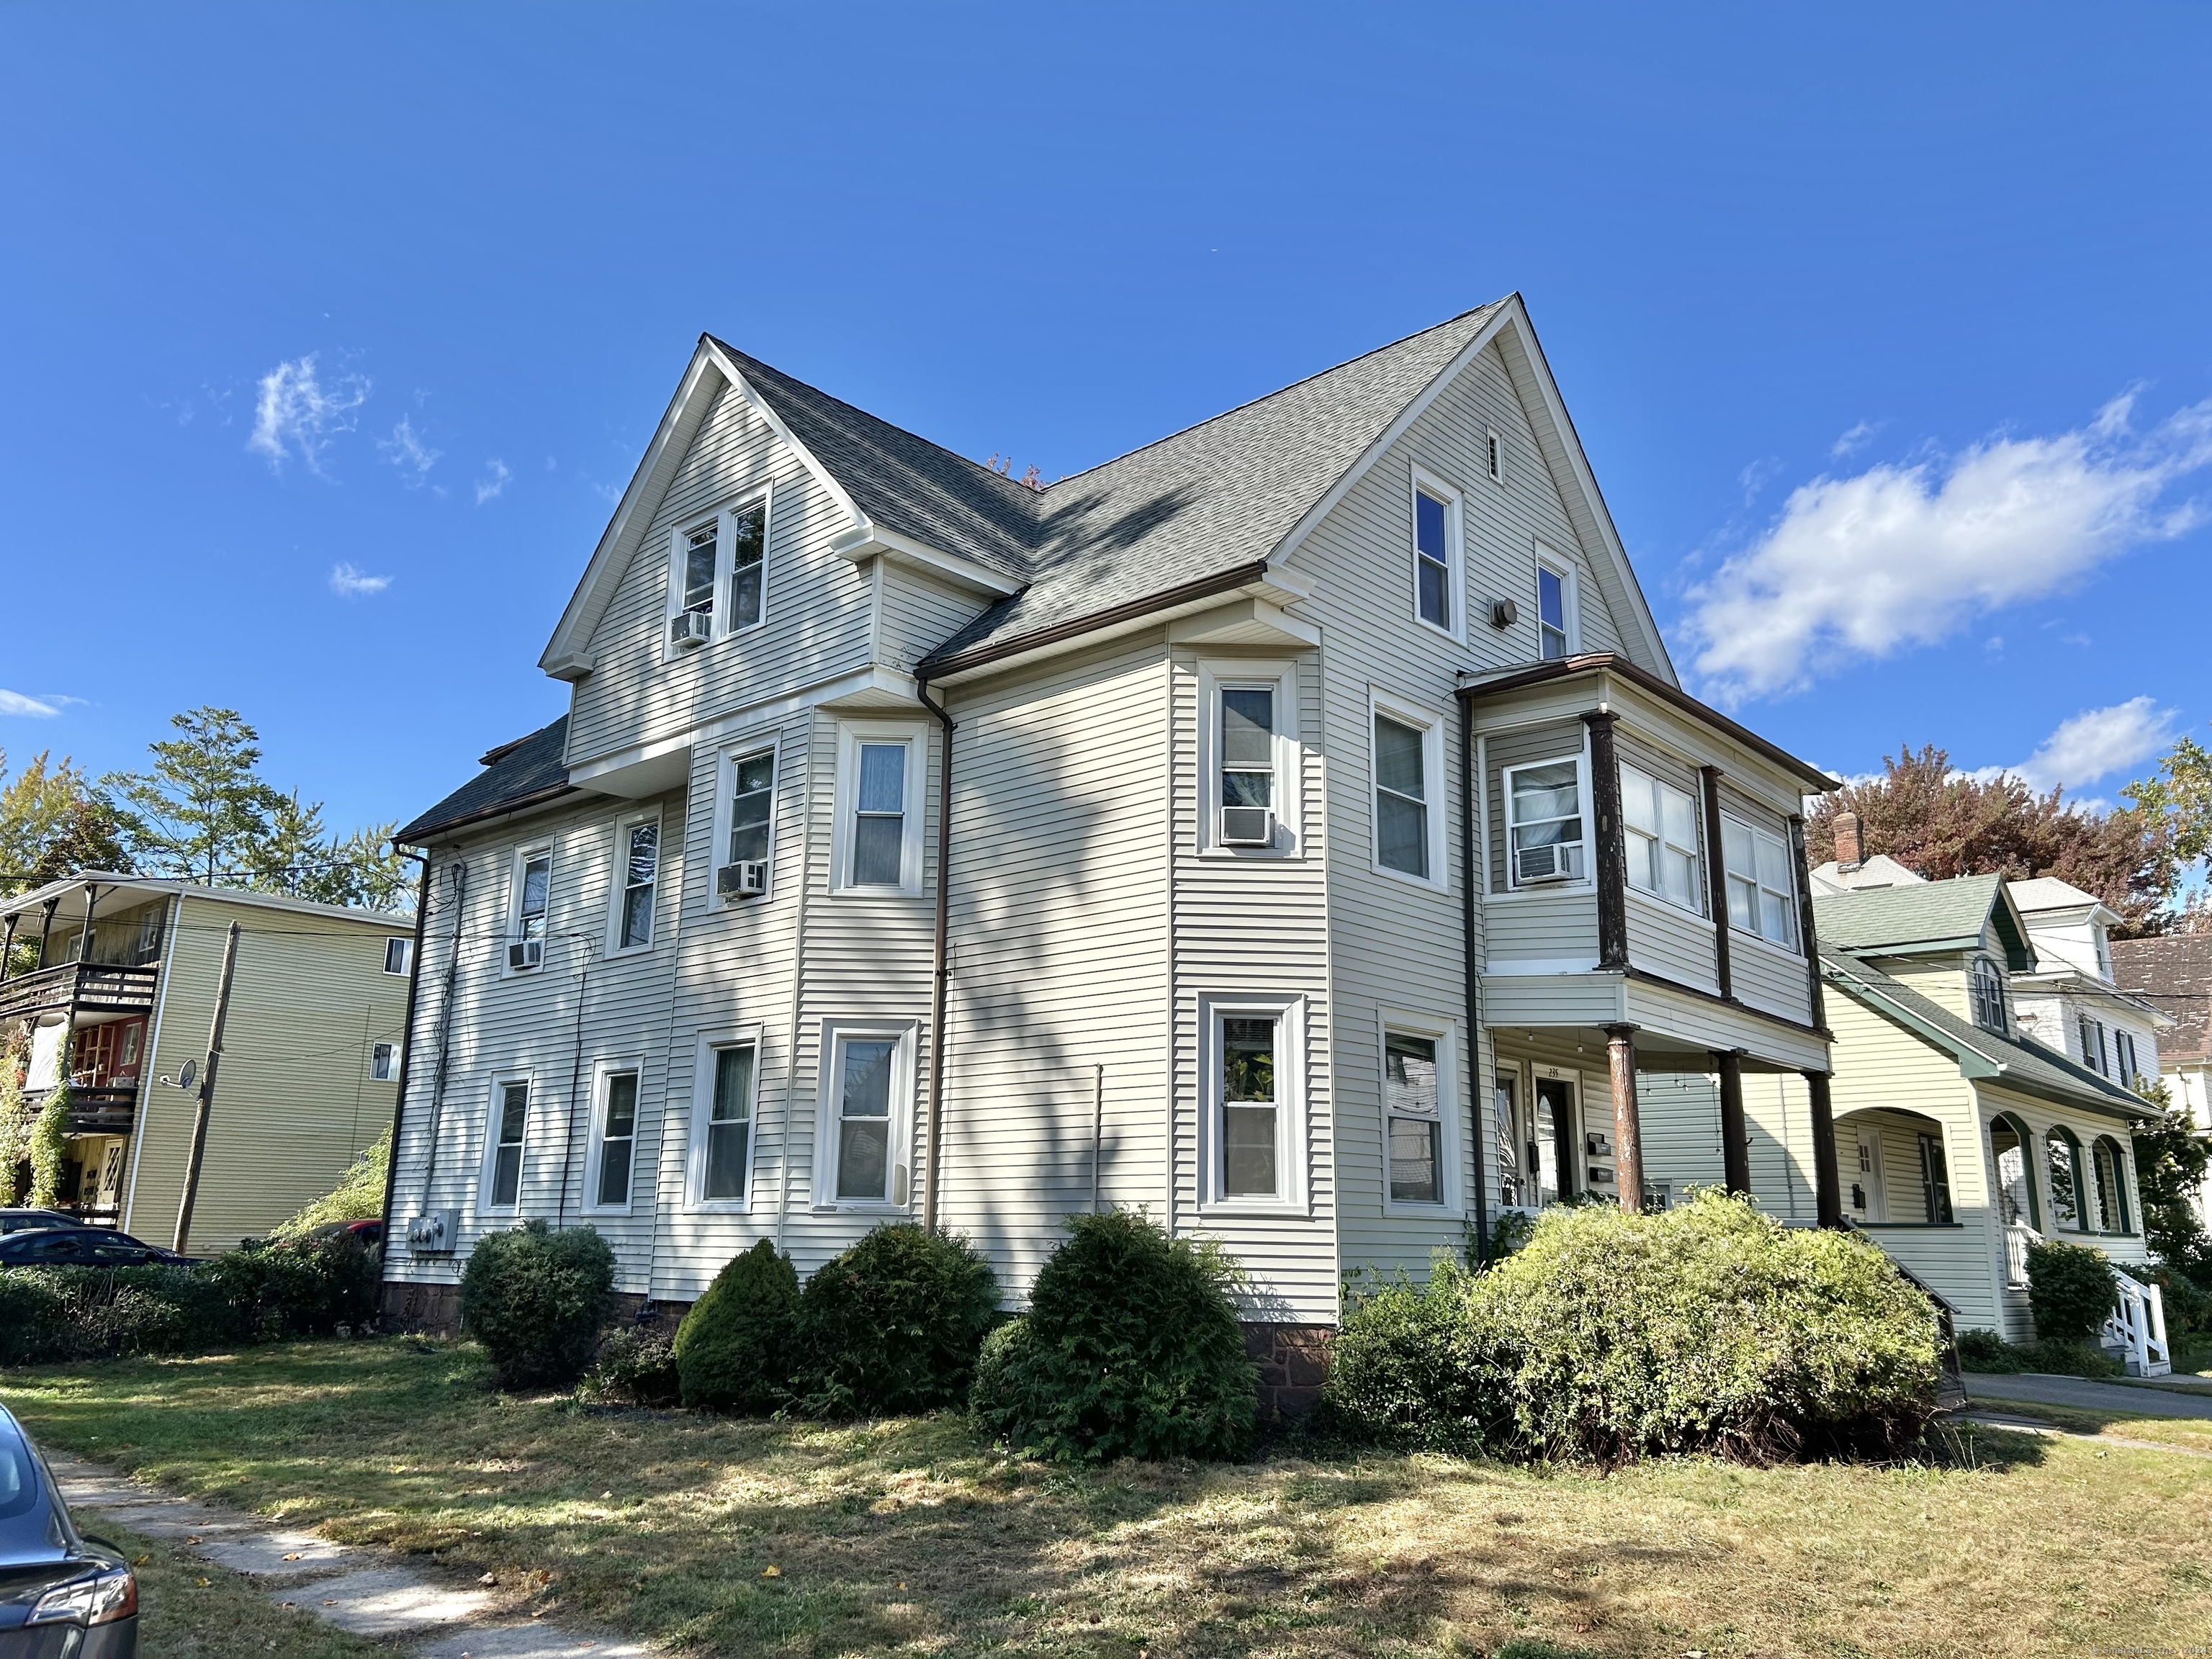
{"x": 818, "y": 607}
{"x": 294, "y": 1101}
{"x": 1060, "y": 912}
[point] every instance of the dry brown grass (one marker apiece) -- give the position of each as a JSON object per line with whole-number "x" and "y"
{"x": 908, "y": 1538}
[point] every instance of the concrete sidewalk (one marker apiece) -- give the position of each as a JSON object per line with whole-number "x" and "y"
{"x": 2084, "y": 1395}
{"x": 368, "y": 1592}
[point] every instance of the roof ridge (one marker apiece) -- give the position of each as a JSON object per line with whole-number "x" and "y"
{"x": 1280, "y": 391}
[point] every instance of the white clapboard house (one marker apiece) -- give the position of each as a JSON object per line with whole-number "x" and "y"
{"x": 1293, "y": 828}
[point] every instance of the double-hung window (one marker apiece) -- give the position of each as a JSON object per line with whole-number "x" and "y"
{"x": 1934, "y": 1181}
{"x": 1987, "y": 992}
{"x": 748, "y": 563}
{"x": 1413, "y": 1110}
{"x": 749, "y": 829}
{"x": 1436, "y": 554}
{"x": 383, "y": 1061}
{"x": 1544, "y": 837}
{"x": 720, "y": 566}
{"x": 510, "y": 1127}
{"x": 702, "y": 555}
{"x": 1555, "y": 610}
{"x": 637, "y": 843}
{"x": 1661, "y": 825}
{"x": 613, "y": 1154}
{"x": 2061, "y": 1155}
{"x": 1251, "y": 1106}
{"x": 722, "y": 1121}
{"x": 1406, "y": 819}
{"x": 2123, "y": 1045}
{"x": 1762, "y": 894}
{"x": 2093, "y": 1044}
{"x": 1247, "y": 738}
{"x": 867, "y": 1084}
{"x": 1247, "y": 758}
{"x": 879, "y": 809}
{"x": 533, "y": 893}
{"x": 398, "y": 954}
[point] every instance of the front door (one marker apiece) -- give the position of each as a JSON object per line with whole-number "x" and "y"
{"x": 1552, "y": 1139}
{"x": 1869, "y": 1201}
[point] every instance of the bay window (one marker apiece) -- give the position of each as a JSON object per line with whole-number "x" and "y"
{"x": 1762, "y": 891}
{"x": 1661, "y": 825}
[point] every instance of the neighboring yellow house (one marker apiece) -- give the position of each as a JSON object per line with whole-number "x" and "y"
{"x": 311, "y": 1055}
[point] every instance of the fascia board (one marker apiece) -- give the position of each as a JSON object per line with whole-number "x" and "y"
{"x": 870, "y": 540}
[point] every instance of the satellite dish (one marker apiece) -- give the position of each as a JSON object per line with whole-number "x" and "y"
{"x": 185, "y": 1077}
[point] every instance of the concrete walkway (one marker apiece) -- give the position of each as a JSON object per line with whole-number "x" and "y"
{"x": 368, "y": 1592}
{"x": 2120, "y": 1399}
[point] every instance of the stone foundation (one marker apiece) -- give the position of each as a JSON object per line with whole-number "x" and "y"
{"x": 1293, "y": 1361}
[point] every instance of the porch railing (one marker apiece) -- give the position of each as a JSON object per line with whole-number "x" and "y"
{"x": 2136, "y": 1328}
{"x": 94, "y": 986}
{"x": 2018, "y": 1241}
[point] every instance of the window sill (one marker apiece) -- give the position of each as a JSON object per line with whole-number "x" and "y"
{"x": 1230, "y": 1209}
{"x": 1407, "y": 1209}
{"x": 1667, "y": 907}
{"x": 628, "y": 952}
{"x": 739, "y": 1207}
{"x": 1545, "y": 889}
{"x": 1251, "y": 854}
{"x": 850, "y": 892}
{"x": 1425, "y": 883}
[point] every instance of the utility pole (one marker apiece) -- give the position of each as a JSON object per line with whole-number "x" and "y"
{"x": 207, "y": 1092}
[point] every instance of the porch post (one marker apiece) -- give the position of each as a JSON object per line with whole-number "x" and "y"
{"x": 1828, "y": 1191}
{"x": 46, "y": 928}
{"x": 1800, "y": 873}
{"x": 1627, "y": 1124}
{"x": 1717, "y": 878}
{"x": 84, "y": 944}
{"x": 1735, "y": 1140}
{"x": 8, "y": 947}
{"x": 1611, "y": 861}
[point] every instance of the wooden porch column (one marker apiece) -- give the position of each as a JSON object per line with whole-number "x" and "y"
{"x": 1735, "y": 1140}
{"x": 46, "y": 928}
{"x": 8, "y": 946}
{"x": 1827, "y": 1189}
{"x": 84, "y": 944}
{"x": 1717, "y": 878}
{"x": 1627, "y": 1123}
{"x": 1611, "y": 862}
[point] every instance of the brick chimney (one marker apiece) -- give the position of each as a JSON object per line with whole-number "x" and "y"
{"x": 1847, "y": 843}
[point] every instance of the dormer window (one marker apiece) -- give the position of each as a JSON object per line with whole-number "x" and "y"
{"x": 1987, "y": 986}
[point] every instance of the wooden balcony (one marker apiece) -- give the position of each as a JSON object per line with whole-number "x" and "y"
{"x": 80, "y": 988}
{"x": 107, "y": 1111}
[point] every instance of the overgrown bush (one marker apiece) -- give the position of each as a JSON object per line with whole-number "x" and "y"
{"x": 894, "y": 1325}
{"x": 302, "y": 1287}
{"x": 1609, "y": 1337}
{"x": 359, "y": 1195}
{"x": 1988, "y": 1352}
{"x": 733, "y": 1351}
{"x": 636, "y": 1366}
{"x": 535, "y": 1299}
{"x": 2070, "y": 1290}
{"x": 33, "y": 1316}
{"x": 1131, "y": 1348}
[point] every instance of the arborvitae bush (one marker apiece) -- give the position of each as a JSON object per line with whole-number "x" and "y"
{"x": 733, "y": 1349}
{"x": 535, "y": 1298}
{"x": 893, "y": 1325}
{"x": 2070, "y": 1290}
{"x": 1131, "y": 1348}
{"x": 1610, "y": 1336}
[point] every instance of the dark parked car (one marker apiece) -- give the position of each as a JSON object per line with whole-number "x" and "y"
{"x": 63, "y": 1595}
{"x": 19, "y": 1221}
{"x": 80, "y": 1247}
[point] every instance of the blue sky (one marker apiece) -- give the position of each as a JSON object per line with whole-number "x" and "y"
{"x": 1885, "y": 330}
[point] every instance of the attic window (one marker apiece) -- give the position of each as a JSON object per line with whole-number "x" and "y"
{"x": 1494, "y": 454}
{"x": 1988, "y": 994}
{"x": 699, "y": 549}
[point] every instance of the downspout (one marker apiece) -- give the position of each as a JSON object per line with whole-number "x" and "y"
{"x": 941, "y": 970}
{"x": 1468, "y": 951}
{"x": 457, "y": 888}
{"x": 575, "y": 1078}
{"x": 406, "y": 1046}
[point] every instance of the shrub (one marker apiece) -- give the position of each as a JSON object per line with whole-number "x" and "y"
{"x": 49, "y": 1144}
{"x": 1985, "y": 1350}
{"x": 1131, "y": 1348}
{"x": 359, "y": 1195}
{"x": 535, "y": 1299}
{"x": 2070, "y": 1290}
{"x": 305, "y": 1287}
{"x": 733, "y": 1351}
{"x": 893, "y": 1325}
{"x": 1610, "y": 1336}
{"x": 33, "y": 1317}
{"x": 1407, "y": 1369}
{"x": 636, "y": 1366}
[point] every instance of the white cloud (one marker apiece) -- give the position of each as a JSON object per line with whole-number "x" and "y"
{"x": 494, "y": 483}
{"x": 406, "y": 450}
{"x": 15, "y": 702}
{"x": 2099, "y": 742}
{"x": 1854, "y": 441}
{"x": 1860, "y": 566}
{"x": 294, "y": 413}
{"x": 349, "y": 583}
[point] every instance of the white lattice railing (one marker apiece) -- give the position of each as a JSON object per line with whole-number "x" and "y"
{"x": 2018, "y": 1238}
{"x": 2137, "y": 1328}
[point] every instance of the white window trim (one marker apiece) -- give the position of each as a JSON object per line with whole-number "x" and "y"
{"x": 1214, "y": 676}
{"x": 726, "y": 560}
{"x": 1423, "y": 481}
{"x": 1494, "y": 454}
{"x": 1570, "y": 602}
{"x": 406, "y": 956}
{"x": 617, "y": 886}
{"x": 398, "y": 1051}
{"x": 1430, "y": 725}
{"x": 1589, "y": 878}
{"x": 834, "y": 1034}
{"x": 850, "y": 734}
{"x": 595, "y": 1146}
{"x": 523, "y": 855}
{"x": 768, "y": 741}
{"x": 1445, "y": 1035}
{"x": 499, "y": 1084}
{"x": 1291, "y": 1086}
{"x": 702, "y": 1107}
{"x": 1793, "y": 953}
{"x": 1629, "y": 836}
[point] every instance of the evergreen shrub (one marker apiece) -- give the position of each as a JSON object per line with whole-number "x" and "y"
{"x": 636, "y": 1366}
{"x": 733, "y": 1349}
{"x": 2070, "y": 1290}
{"x": 1131, "y": 1348}
{"x": 535, "y": 1298}
{"x": 1609, "y": 1337}
{"x": 893, "y": 1325}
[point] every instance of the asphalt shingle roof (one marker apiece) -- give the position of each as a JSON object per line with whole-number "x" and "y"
{"x": 2022, "y": 1064}
{"x": 1207, "y": 501}
{"x": 2173, "y": 974}
{"x": 1926, "y": 913}
{"x": 518, "y": 774}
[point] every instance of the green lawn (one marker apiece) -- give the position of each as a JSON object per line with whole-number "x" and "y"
{"x": 907, "y": 1537}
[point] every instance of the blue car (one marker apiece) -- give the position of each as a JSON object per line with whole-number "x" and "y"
{"x": 62, "y": 1595}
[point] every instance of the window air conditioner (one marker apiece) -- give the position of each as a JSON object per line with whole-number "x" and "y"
{"x": 1247, "y": 826}
{"x": 747, "y": 878}
{"x": 526, "y": 953}
{"x": 688, "y": 627}
{"x": 1535, "y": 864}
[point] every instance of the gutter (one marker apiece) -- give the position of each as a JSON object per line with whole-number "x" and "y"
{"x": 940, "y": 959}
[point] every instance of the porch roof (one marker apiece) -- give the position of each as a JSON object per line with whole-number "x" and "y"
{"x": 1982, "y": 1054}
{"x": 526, "y": 772}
